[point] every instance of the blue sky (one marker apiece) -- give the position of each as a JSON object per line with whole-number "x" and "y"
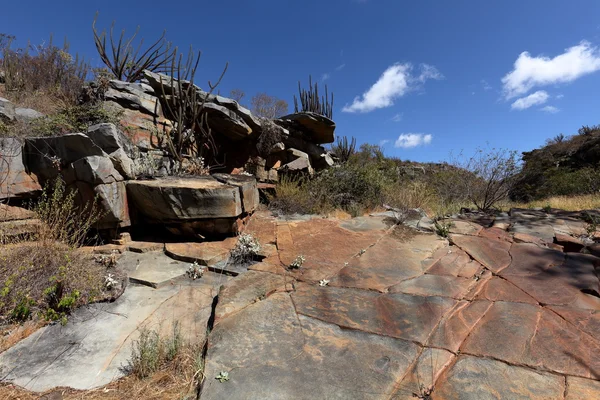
{"x": 424, "y": 77}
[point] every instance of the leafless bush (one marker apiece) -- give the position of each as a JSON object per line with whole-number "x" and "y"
{"x": 487, "y": 177}
{"x": 270, "y": 107}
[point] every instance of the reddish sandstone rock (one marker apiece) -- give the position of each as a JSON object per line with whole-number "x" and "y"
{"x": 473, "y": 378}
{"x": 491, "y": 253}
{"x": 397, "y": 315}
{"x": 579, "y": 388}
{"x": 455, "y": 262}
{"x": 530, "y": 335}
{"x": 204, "y": 253}
{"x": 457, "y": 324}
{"x": 387, "y": 262}
{"x": 247, "y": 289}
{"x": 569, "y": 243}
{"x": 435, "y": 285}
{"x": 498, "y": 289}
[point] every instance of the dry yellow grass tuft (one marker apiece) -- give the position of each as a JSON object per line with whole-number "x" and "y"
{"x": 568, "y": 203}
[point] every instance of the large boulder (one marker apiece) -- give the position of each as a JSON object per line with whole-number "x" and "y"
{"x": 117, "y": 145}
{"x": 314, "y": 127}
{"x": 178, "y": 199}
{"x": 141, "y": 113}
{"x": 248, "y": 189}
{"x": 95, "y": 170}
{"x": 225, "y": 116}
{"x": 111, "y": 201}
{"x": 7, "y": 110}
{"x": 15, "y": 178}
{"x": 47, "y": 156}
{"x": 27, "y": 114}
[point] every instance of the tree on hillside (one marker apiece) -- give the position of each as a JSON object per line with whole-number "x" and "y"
{"x": 267, "y": 106}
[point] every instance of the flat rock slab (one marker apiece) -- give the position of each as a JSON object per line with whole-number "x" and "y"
{"x": 473, "y": 378}
{"x": 540, "y": 228}
{"x": 435, "y": 285}
{"x": 272, "y": 353}
{"x": 204, "y": 253}
{"x": 530, "y": 335}
{"x": 89, "y": 351}
{"x": 491, "y": 253}
{"x": 389, "y": 261}
{"x": 364, "y": 224}
{"x": 247, "y": 289}
{"x": 151, "y": 269}
{"x": 308, "y": 238}
{"x": 456, "y": 324}
{"x": 453, "y": 261}
{"x": 578, "y": 388}
{"x": 184, "y": 199}
{"x": 11, "y": 213}
{"x": 396, "y": 315}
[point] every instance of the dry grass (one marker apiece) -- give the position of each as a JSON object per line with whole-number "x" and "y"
{"x": 177, "y": 378}
{"x": 14, "y": 333}
{"x": 568, "y": 203}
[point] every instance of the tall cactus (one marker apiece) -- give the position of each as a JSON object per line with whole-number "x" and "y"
{"x": 310, "y": 100}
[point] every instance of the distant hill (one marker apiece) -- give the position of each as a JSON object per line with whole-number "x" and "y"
{"x": 564, "y": 166}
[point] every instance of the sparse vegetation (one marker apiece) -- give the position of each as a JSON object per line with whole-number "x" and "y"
{"x": 343, "y": 149}
{"x": 41, "y": 76}
{"x": 246, "y": 249}
{"x": 46, "y": 276}
{"x": 266, "y": 106}
{"x": 298, "y": 262}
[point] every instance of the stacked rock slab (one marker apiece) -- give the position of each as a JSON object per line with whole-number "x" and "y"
{"x": 85, "y": 167}
{"x": 195, "y": 206}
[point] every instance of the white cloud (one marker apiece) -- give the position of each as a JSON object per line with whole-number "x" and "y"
{"x": 340, "y": 67}
{"x": 325, "y": 76}
{"x": 410, "y": 140}
{"x": 530, "y": 72}
{"x": 398, "y": 117}
{"x": 395, "y": 82}
{"x": 550, "y": 109}
{"x": 560, "y": 96}
{"x": 486, "y": 85}
{"x": 534, "y": 99}
{"x": 383, "y": 142}
{"x": 429, "y": 72}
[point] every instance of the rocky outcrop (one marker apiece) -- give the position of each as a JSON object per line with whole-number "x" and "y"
{"x": 16, "y": 181}
{"x": 195, "y": 206}
{"x": 7, "y": 110}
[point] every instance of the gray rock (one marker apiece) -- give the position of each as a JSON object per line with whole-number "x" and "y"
{"x": 15, "y": 179}
{"x": 184, "y": 199}
{"x": 277, "y": 147}
{"x": 46, "y": 156}
{"x": 95, "y": 170}
{"x": 317, "y": 128}
{"x": 123, "y": 163}
{"x": 109, "y": 138}
{"x": 300, "y": 162}
{"x": 133, "y": 96}
{"x": 7, "y": 110}
{"x": 248, "y": 189}
{"x": 27, "y": 114}
{"x": 112, "y": 199}
{"x": 225, "y": 122}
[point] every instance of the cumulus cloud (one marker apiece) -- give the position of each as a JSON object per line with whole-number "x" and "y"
{"x": 410, "y": 140}
{"x": 530, "y": 72}
{"x": 534, "y": 99}
{"x": 486, "y": 86}
{"x": 395, "y": 82}
{"x": 550, "y": 109}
